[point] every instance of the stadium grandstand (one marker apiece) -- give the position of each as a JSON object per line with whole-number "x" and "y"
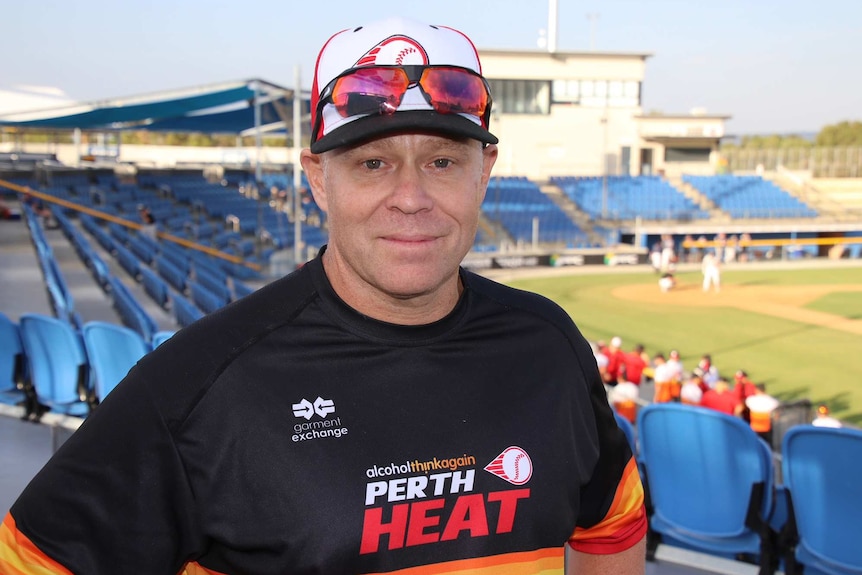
{"x": 102, "y": 242}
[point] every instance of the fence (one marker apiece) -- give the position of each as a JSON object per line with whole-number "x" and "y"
{"x": 821, "y": 162}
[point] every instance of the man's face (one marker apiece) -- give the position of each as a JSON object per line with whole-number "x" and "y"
{"x": 402, "y": 213}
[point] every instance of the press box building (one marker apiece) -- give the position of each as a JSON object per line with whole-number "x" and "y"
{"x": 581, "y": 114}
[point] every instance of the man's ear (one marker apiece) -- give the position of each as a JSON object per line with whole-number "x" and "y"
{"x": 489, "y": 158}
{"x": 312, "y": 164}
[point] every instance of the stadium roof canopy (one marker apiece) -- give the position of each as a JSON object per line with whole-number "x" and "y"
{"x": 218, "y": 108}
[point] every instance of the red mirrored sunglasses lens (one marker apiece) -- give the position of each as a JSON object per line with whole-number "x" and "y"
{"x": 369, "y": 91}
{"x": 380, "y": 91}
{"x": 454, "y": 91}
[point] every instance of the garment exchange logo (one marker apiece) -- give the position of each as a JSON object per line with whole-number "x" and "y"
{"x": 320, "y": 428}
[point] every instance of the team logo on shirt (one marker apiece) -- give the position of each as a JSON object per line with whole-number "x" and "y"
{"x": 424, "y": 501}
{"x": 513, "y": 465}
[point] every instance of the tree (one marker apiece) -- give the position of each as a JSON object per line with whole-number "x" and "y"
{"x": 842, "y": 134}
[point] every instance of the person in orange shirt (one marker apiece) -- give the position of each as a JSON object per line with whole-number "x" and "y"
{"x": 663, "y": 378}
{"x": 760, "y": 406}
{"x": 676, "y": 374}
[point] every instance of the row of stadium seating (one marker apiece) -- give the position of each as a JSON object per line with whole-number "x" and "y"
{"x": 177, "y": 275}
{"x": 59, "y": 295}
{"x": 47, "y": 364}
{"x": 749, "y": 197}
{"x": 520, "y": 207}
{"x": 711, "y": 485}
{"x": 171, "y": 273}
{"x": 190, "y": 207}
{"x": 624, "y": 197}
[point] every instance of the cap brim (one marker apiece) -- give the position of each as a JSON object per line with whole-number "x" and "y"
{"x": 370, "y": 127}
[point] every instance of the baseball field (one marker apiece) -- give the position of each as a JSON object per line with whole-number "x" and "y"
{"x": 794, "y": 327}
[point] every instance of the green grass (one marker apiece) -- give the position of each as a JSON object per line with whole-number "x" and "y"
{"x": 794, "y": 359}
{"x": 845, "y": 304}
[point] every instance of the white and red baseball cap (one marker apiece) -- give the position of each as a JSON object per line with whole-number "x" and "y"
{"x": 392, "y": 42}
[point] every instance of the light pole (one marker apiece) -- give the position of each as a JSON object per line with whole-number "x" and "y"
{"x": 592, "y": 17}
{"x": 604, "y": 122}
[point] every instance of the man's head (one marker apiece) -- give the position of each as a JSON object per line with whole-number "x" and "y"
{"x": 398, "y": 165}
{"x": 397, "y": 75}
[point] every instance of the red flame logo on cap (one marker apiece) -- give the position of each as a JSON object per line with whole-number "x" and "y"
{"x": 395, "y": 51}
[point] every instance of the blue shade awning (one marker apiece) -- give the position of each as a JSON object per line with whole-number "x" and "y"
{"x": 234, "y": 121}
{"x": 221, "y": 108}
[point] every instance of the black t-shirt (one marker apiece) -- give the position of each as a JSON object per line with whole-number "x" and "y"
{"x": 287, "y": 433}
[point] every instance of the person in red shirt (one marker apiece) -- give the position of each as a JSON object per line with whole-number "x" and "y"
{"x": 615, "y": 356}
{"x": 744, "y": 388}
{"x": 722, "y": 398}
{"x": 634, "y": 364}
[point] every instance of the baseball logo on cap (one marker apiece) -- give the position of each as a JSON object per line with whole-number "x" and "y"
{"x": 395, "y": 51}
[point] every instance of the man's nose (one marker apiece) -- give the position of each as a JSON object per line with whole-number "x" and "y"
{"x": 410, "y": 193}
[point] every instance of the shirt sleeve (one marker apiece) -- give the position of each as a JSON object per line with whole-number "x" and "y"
{"x": 612, "y": 516}
{"x": 624, "y": 524}
{"x": 113, "y": 499}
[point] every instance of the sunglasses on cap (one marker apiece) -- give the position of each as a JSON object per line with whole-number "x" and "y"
{"x": 380, "y": 90}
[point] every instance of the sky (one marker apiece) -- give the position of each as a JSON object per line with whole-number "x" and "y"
{"x": 775, "y": 66}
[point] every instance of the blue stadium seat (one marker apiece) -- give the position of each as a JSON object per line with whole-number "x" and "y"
{"x": 240, "y": 289}
{"x": 629, "y": 430}
{"x": 12, "y": 362}
{"x": 131, "y": 311}
{"x": 171, "y": 273}
{"x": 155, "y": 286}
{"x": 710, "y": 482}
{"x": 822, "y": 473}
{"x": 185, "y": 312}
{"x": 205, "y": 299}
{"x": 57, "y": 363}
{"x": 161, "y": 337}
{"x": 112, "y": 350}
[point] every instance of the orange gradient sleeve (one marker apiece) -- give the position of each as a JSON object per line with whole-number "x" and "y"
{"x": 19, "y": 556}
{"x": 625, "y": 522}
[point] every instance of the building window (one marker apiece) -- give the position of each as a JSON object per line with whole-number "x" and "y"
{"x": 597, "y": 93}
{"x": 687, "y": 154}
{"x": 521, "y": 96}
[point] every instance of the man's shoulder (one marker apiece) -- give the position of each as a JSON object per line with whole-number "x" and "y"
{"x": 511, "y": 297}
{"x": 500, "y": 298}
{"x": 223, "y": 333}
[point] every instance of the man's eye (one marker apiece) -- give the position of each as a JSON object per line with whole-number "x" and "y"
{"x": 442, "y": 163}
{"x": 372, "y": 164}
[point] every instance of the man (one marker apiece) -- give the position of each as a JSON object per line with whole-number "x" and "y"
{"x": 616, "y": 361}
{"x": 635, "y": 364}
{"x": 691, "y": 392}
{"x": 743, "y": 388}
{"x": 378, "y": 410}
{"x": 760, "y": 406}
{"x": 722, "y": 398}
{"x": 824, "y": 419}
{"x": 710, "y": 267}
{"x": 662, "y": 375}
